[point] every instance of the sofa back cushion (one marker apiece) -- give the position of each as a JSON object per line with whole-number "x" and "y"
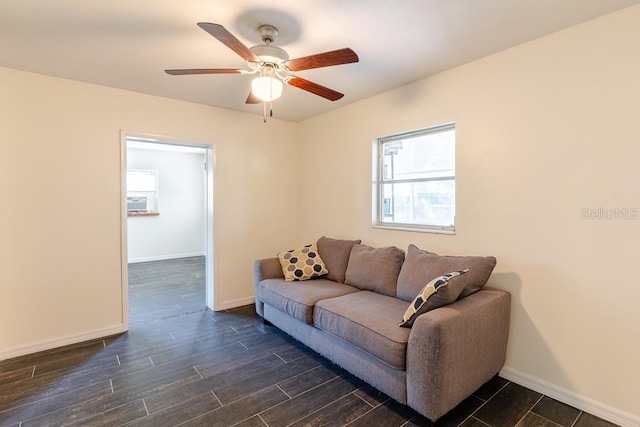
{"x": 375, "y": 269}
{"x": 335, "y": 254}
{"x": 420, "y": 267}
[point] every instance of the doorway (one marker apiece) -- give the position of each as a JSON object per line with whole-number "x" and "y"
{"x": 167, "y": 227}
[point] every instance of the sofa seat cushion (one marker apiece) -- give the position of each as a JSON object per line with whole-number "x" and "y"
{"x": 297, "y": 299}
{"x": 369, "y": 321}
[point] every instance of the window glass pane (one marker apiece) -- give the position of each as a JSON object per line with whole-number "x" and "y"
{"x": 139, "y": 180}
{"x": 421, "y": 203}
{"x": 431, "y": 155}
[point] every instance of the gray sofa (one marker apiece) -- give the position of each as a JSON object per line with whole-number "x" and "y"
{"x": 352, "y": 314}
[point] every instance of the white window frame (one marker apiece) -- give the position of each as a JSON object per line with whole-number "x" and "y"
{"x": 378, "y": 180}
{"x": 143, "y": 183}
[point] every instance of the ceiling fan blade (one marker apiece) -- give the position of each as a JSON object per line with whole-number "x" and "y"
{"x": 314, "y": 88}
{"x": 327, "y": 59}
{"x": 204, "y": 71}
{"x": 252, "y": 99}
{"x": 229, "y": 40}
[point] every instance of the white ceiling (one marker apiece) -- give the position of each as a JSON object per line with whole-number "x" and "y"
{"x": 128, "y": 43}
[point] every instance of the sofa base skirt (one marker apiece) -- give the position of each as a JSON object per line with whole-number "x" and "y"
{"x": 380, "y": 375}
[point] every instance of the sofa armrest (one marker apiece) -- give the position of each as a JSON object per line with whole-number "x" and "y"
{"x": 455, "y": 349}
{"x": 268, "y": 268}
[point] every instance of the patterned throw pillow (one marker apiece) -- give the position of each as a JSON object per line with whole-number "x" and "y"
{"x": 302, "y": 264}
{"x": 419, "y": 304}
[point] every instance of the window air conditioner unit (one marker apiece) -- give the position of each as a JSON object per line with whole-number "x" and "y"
{"x": 136, "y": 204}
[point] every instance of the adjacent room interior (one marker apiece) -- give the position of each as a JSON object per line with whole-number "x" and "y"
{"x": 166, "y": 229}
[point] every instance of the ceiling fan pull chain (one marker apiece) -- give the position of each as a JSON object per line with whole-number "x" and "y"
{"x": 264, "y": 112}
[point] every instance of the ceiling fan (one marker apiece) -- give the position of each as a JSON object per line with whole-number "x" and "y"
{"x": 272, "y": 65}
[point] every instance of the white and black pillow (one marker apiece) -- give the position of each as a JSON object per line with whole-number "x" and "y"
{"x": 420, "y": 303}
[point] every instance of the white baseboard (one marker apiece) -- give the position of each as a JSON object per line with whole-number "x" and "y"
{"x": 606, "y": 412}
{"x": 49, "y": 344}
{"x": 226, "y": 305}
{"x": 165, "y": 257}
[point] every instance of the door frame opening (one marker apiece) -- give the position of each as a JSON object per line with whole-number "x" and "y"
{"x": 138, "y": 137}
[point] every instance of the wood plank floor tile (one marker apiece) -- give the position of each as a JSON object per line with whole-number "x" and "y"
{"x": 307, "y": 380}
{"x": 239, "y": 410}
{"x": 337, "y": 413}
{"x": 72, "y": 413}
{"x": 254, "y": 421}
{"x": 388, "y": 414}
{"x": 32, "y": 406}
{"x": 534, "y": 420}
{"x": 508, "y": 406}
{"x": 115, "y": 417}
{"x": 588, "y": 420}
{"x": 183, "y": 349}
{"x": 461, "y": 412}
{"x": 59, "y": 354}
{"x": 224, "y": 363}
{"x": 263, "y": 380}
{"x": 178, "y": 395}
{"x": 198, "y": 387}
{"x": 86, "y": 361}
{"x": 157, "y": 382}
{"x": 310, "y": 401}
{"x": 178, "y": 413}
{"x": 474, "y": 422}
{"x": 10, "y": 377}
{"x": 228, "y": 349}
{"x": 371, "y": 395}
{"x": 292, "y": 353}
{"x": 234, "y": 374}
{"x": 58, "y": 382}
{"x": 490, "y": 388}
{"x": 560, "y": 413}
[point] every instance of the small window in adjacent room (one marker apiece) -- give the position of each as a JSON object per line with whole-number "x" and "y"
{"x": 142, "y": 191}
{"x": 415, "y": 182}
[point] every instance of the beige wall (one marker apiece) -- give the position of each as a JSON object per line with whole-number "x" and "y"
{"x": 60, "y": 141}
{"x": 544, "y": 130}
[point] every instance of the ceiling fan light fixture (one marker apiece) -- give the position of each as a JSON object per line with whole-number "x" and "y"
{"x": 267, "y": 87}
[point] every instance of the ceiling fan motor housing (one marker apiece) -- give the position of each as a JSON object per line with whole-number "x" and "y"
{"x": 270, "y": 54}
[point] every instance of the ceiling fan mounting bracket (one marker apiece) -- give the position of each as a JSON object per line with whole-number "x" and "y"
{"x": 268, "y": 33}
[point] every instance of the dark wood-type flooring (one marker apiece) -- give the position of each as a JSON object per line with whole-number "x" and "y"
{"x": 181, "y": 364}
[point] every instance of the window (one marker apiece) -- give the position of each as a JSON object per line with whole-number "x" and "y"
{"x": 142, "y": 191}
{"x": 415, "y": 182}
